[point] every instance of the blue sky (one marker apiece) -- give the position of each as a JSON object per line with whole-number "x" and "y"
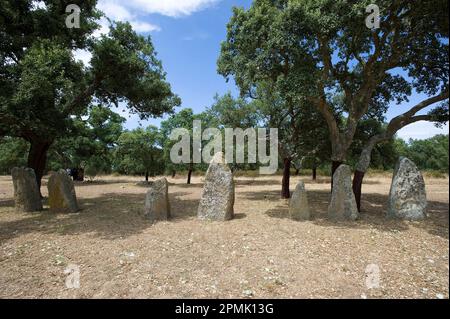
{"x": 187, "y": 36}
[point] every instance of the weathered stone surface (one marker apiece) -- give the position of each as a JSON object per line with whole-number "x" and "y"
{"x": 407, "y": 197}
{"x": 26, "y": 192}
{"x": 298, "y": 204}
{"x": 343, "y": 203}
{"x": 61, "y": 193}
{"x": 217, "y": 202}
{"x": 157, "y": 206}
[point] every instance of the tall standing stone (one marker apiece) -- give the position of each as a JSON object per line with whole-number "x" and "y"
{"x": 61, "y": 193}
{"x": 217, "y": 202}
{"x": 343, "y": 203}
{"x": 298, "y": 204}
{"x": 157, "y": 206}
{"x": 407, "y": 197}
{"x": 26, "y": 192}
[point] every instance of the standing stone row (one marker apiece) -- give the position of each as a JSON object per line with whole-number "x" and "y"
{"x": 61, "y": 191}
{"x": 217, "y": 199}
{"x": 407, "y": 196}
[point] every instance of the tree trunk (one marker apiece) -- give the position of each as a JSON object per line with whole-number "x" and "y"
{"x": 189, "y": 174}
{"x": 357, "y": 187}
{"x": 314, "y": 173}
{"x": 173, "y": 174}
{"x": 146, "y": 176}
{"x": 37, "y": 159}
{"x": 334, "y": 167}
{"x": 297, "y": 172}
{"x": 285, "y": 193}
{"x": 362, "y": 166}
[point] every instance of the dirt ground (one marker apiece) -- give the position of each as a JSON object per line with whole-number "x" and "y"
{"x": 259, "y": 254}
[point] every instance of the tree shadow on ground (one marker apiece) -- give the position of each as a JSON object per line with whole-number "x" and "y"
{"x": 6, "y": 203}
{"x": 110, "y": 216}
{"x": 106, "y": 182}
{"x": 373, "y": 214}
{"x": 191, "y": 185}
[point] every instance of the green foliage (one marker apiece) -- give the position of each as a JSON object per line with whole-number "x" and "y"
{"x": 231, "y": 112}
{"x": 90, "y": 143}
{"x": 44, "y": 91}
{"x": 429, "y": 154}
{"x": 384, "y": 155}
{"x": 140, "y": 152}
{"x": 183, "y": 119}
{"x": 322, "y": 53}
{"x": 12, "y": 154}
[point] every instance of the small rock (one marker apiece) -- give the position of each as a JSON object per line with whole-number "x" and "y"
{"x": 248, "y": 293}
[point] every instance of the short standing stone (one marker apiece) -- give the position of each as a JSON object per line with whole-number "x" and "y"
{"x": 26, "y": 192}
{"x": 217, "y": 201}
{"x": 407, "y": 198}
{"x": 298, "y": 204}
{"x": 61, "y": 193}
{"x": 157, "y": 206}
{"x": 343, "y": 203}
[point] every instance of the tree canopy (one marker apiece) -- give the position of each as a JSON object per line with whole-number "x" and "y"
{"x": 44, "y": 88}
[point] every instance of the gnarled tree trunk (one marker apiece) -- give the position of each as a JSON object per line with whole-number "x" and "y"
{"x": 357, "y": 187}
{"x": 362, "y": 166}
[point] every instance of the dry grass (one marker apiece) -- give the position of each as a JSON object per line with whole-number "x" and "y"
{"x": 261, "y": 253}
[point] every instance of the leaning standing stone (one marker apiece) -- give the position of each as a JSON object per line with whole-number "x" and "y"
{"x": 407, "y": 198}
{"x": 61, "y": 193}
{"x": 157, "y": 205}
{"x": 217, "y": 200}
{"x": 298, "y": 204}
{"x": 343, "y": 203}
{"x": 26, "y": 192}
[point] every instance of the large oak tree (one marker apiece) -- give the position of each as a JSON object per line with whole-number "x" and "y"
{"x": 43, "y": 88}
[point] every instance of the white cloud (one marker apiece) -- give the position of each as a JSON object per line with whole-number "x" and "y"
{"x": 144, "y": 26}
{"x": 104, "y": 28}
{"x": 114, "y": 11}
{"x": 421, "y": 130}
{"x": 83, "y": 55}
{"x": 171, "y": 8}
{"x": 120, "y": 11}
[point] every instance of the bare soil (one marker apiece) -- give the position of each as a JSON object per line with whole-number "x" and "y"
{"x": 259, "y": 254}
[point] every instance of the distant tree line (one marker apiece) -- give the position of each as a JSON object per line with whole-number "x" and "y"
{"x": 101, "y": 145}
